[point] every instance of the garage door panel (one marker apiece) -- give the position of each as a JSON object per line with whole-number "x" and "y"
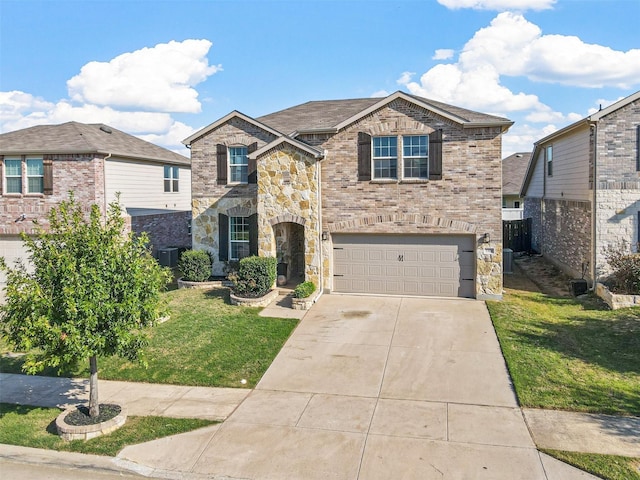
{"x": 405, "y": 265}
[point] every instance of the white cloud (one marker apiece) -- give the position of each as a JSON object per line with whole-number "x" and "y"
{"x": 380, "y": 94}
{"x": 521, "y": 137}
{"x": 499, "y": 5}
{"x": 160, "y": 78}
{"x": 443, "y": 54}
{"x": 14, "y": 104}
{"x": 513, "y": 46}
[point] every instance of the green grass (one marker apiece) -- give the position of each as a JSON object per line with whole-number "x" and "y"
{"x": 206, "y": 342}
{"x": 570, "y": 354}
{"x": 35, "y": 427}
{"x": 608, "y": 467}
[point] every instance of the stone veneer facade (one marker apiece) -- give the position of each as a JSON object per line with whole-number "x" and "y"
{"x": 467, "y": 200}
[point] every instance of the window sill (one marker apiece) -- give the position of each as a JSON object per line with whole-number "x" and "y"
{"x": 384, "y": 180}
{"x": 236, "y": 184}
{"x": 414, "y": 180}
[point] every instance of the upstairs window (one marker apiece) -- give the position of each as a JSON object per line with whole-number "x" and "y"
{"x": 171, "y": 178}
{"x": 415, "y": 156}
{"x": 13, "y": 175}
{"x": 35, "y": 175}
{"x": 385, "y": 157}
{"x": 238, "y": 237}
{"x": 238, "y": 165}
{"x": 548, "y": 152}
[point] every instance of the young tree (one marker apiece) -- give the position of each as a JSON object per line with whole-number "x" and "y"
{"x": 92, "y": 291}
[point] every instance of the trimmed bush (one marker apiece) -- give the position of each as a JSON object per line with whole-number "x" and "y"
{"x": 195, "y": 265}
{"x": 304, "y": 290}
{"x": 625, "y": 278}
{"x": 255, "y": 276}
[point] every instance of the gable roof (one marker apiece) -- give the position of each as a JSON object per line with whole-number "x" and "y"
{"x": 234, "y": 114}
{"x": 314, "y": 152}
{"x": 589, "y": 120}
{"x": 75, "y": 137}
{"x": 514, "y": 168}
{"x": 329, "y": 116}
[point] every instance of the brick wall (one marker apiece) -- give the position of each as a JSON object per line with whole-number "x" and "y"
{"x": 566, "y": 235}
{"x": 169, "y": 229}
{"x": 83, "y": 174}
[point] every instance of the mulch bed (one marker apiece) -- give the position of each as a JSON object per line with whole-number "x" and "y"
{"x": 80, "y": 416}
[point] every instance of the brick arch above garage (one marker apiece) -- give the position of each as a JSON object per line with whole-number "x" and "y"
{"x": 429, "y": 222}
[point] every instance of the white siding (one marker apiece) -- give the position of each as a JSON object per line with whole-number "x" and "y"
{"x": 141, "y": 185}
{"x": 570, "y": 179}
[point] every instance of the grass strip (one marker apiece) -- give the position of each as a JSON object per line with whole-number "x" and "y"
{"x": 608, "y": 467}
{"x": 570, "y": 354}
{"x": 35, "y": 427}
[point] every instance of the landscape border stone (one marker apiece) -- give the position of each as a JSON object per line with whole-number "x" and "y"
{"x": 87, "y": 432}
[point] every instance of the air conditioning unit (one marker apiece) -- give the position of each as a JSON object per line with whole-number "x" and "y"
{"x": 507, "y": 260}
{"x": 168, "y": 257}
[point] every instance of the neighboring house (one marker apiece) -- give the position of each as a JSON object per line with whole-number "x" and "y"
{"x": 514, "y": 168}
{"x": 582, "y": 189}
{"x": 399, "y": 195}
{"x": 41, "y": 164}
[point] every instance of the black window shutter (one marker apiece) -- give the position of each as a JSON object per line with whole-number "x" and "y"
{"x": 253, "y": 234}
{"x": 221, "y": 158}
{"x": 364, "y": 156}
{"x": 47, "y": 164}
{"x": 252, "y": 176}
{"x": 223, "y": 237}
{"x": 435, "y": 155}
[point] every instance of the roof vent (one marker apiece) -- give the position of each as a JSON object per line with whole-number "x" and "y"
{"x": 105, "y": 129}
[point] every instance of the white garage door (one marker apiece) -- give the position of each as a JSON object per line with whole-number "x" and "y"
{"x": 425, "y": 265}
{"x": 11, "y": 248}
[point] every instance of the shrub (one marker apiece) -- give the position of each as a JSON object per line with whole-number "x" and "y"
{"x": 625, "y": 265}
{"x": 195, "y": 265}
{"x": 255, "y": 276}
{"x": 304, "y": 290}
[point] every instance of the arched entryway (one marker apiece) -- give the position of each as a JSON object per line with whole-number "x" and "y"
{"x": 290, "y": 248}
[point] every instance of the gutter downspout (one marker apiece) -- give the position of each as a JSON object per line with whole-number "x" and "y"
{"x": 594, "y": 216}
{"x": 104, "y": 181}
{"x": 321, "y": 246}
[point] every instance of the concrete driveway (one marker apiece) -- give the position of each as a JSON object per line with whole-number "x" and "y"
{"x": 379, "y": 388}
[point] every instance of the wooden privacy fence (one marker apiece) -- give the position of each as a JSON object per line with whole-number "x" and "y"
{"x": 516, "y": 235}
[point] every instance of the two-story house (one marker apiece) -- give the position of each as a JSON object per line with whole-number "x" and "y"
{"x": 398, "y": 195}
{"x": 40, "y": 165}
{"x": 582, "y": 189}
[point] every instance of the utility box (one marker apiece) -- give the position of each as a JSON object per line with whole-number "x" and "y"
{"x": 168, "y": 257}
{"x": 507, "y": 260}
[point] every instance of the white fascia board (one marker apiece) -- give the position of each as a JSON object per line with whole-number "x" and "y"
{"x": 203, "y": 131}
{"x": 391, "y": 98}
{"x": 317, "y": 154}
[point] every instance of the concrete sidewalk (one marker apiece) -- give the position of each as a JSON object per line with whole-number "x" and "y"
{"x": 365, "y": 388}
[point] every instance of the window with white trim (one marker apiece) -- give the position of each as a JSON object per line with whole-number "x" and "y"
{"x": 35, "y": 175}
{"x": 238, "y": 165}
{"x": 385, "y": 157}
{"x": 171, "y": 178}
{"x": 238, "y": 237}
{"x": 13, "y": 175}
{"x": 415, "y": 156}
{"x": 549, "y": 159}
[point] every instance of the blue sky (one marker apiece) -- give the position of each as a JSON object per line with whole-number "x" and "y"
{"x": 163, "y": 69}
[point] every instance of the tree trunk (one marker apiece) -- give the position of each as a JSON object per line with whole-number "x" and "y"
{"x": 94, "y": 405}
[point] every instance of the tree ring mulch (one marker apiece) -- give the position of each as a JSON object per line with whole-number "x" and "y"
{"x": 76, "y": 424}
{"x": 80, "y": 416}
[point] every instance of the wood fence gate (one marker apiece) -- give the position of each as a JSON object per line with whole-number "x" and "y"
{"x": 516, "y": 235}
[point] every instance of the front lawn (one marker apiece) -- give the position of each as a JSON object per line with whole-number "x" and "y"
{"x": 569, "y": 354}
{"x": 206, "y": 342}
{"x": 611, "y": 467}
{"x": 35, "y": 427}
